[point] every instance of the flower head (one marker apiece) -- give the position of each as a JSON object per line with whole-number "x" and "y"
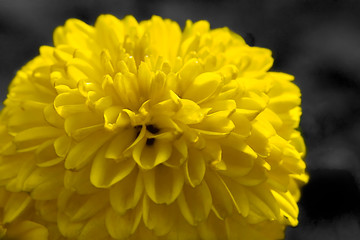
{"x": 128, "y": 130}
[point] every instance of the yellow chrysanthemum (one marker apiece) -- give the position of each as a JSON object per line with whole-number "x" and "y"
{"x": 128, "y": 130}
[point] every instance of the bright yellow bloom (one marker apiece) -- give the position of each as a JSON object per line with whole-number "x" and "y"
{"x": 128, "y": 130}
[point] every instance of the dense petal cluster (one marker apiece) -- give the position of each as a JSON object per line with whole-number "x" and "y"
{"x": 127, "y": 130}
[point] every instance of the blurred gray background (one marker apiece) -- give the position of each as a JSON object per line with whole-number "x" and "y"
{"x": 318, "y": 41}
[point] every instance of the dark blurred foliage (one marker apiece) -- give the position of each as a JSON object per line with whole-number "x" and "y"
{"x": 318, "y": 41}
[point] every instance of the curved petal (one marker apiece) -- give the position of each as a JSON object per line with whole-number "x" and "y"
{"x": 288, "y": 206}
{"x": 238, "y": 195}
{"x": 259, "y": 139}
{"x": 189, "y": 112}
{"x": 217, "y": 123}
{"x": 203, "y": 87}
{"x": 81, "y": 125}
{"x": 95, "y": 228}
{"x": 163, "y": 184}
{"x": 126, "y": 194}
{"x": 69, "y": 103}
{"x": 221, "y": 200}
{"x": 44, "y": 183}
{"x": 14, "y": 206}
{"x": 178, "y": 155}
{"x": 27, "y": 230}
{"x": 235, "y": 162}
{"x": 46, "y": 155}
{"x": 81, "y": 207}
{"x": 67, "y": 228}
{"x": 212, "y": 228}
{"x": 195, "y": 203}
{"x": 62, "y": 145}
{"x": 80, "y": 154}
{"x": 263, "y": 202}
{"x": 79, "y": 181}
{"x": 183, "y": 231}
{"x": 122, "y": 226}
{"x": 47, "y": 210}
{"x": 106, "y": 172}
{"x": 148, "y": 156}
{"x": 120, "y": 143}
{"x": 195, "y": 167}
{"x": 238, "y": 228}
{"x": 189, "y": 71}
{"x": 32, "y": 137}
{"x": 158, "y": 217}
{"x": 257, "y": 175}
{"x": 11, "y": 165}
{"x": 49, "y": 190}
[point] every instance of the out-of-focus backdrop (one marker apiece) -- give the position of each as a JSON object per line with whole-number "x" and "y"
{"x": 318, "y": 41}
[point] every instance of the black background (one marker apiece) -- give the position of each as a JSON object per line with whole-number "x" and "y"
{"x": 317, "y": 41}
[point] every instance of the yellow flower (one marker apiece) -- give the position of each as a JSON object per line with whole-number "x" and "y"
{"x": 128, "y": 130}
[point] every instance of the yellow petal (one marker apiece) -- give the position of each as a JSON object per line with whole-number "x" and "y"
{"x": 41, "y": 180}
{"x": 183, "y": 231}
{"x": 52, "y": 117}
{"x": 195, "y": 167}
{"x": 81, "y": 207}
{"x": 263, "y": 202}
{"x": 237, "y": 227}
{"x": 203, "y": 87}
{"x": 235, "y": 162}
{"x": 179, "y": 154}
{"x": 47, "y": 210}
{"x": 242, "y": 124}
{"x": 238, "y": 195}
{"x": 145, "y": 77}
{"x": 122, "y": 226}
{"x": 257, "y": 175}
{"x": 22, "y": 120}
{"x": 67, "y": 228}
{"x": 10, "y": 165}
{"x": 23, "y": 172}
{"x": 163, "y": 184}
{"x": 79, "y": 126}
{"x": 27, "y": 230}
{"x": 95, "y": 228}
{"x": 298, "y": 142}
{"x": 158, "y": 217}
{"x": 115, "y": 117}
{"x": 189, "y": 113}
{"x": 259, "y": 138}
{"x": 62, "y": 145}
{"x": 80, "y": 154}
{"x": 212, "y": 229}
{"x": 216, "y": 123}
{"x": 120, "y": 143}
{"x": 190, "y": 70}
{"x": 48, "y": 190}
{"x": 148, "y": 156}
{"x": 284, "y": 102}
{"x": 195, "y": 203}
{"x": 69, "y": 103}
{"x": 82, "y": 69}
{"x": 16, "y": 204}
{"x": 125, "y": 194}
{"x": 221, "y": 200}
{"x": 30, "y": 138}
{"x": 105, "y": 172}
{"x": 278, "y": 179}
{"x": 46, "y": 155}
{"x": 79, "y": 181}
{"x": 288, "y": 206}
